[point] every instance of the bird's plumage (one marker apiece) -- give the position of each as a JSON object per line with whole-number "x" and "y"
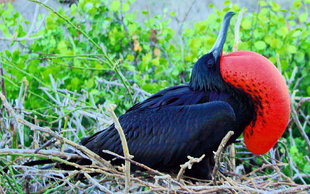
{"x": 224, "y": 93}
{"x": 162, "y": 137}
{"x": 174, "y": 123}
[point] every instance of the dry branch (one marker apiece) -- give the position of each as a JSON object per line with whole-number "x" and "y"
{"x": 237, "y": 28}
{"x": 300, "y": 127}
{"x": 188, "y": 165}
{"x": 92, "y": 156}
{"x": 120, "y": 131}
{"x": 218, "y": 154}
{"x": 42, "y": 152}
{"x": 98, "y": 185}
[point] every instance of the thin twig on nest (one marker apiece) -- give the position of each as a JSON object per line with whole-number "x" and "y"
{"x": 188, "y": 164}
{"x": 120, "y": 131}
{"x": 92, "y": 156}
{"x": 95, "y": 182}
{"x": 218, "y": 154}
{"x": 43, "y": 152}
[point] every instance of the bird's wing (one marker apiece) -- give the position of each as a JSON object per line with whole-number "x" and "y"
{"x": 166, "y": 135}
{"x": 173, "y": 96}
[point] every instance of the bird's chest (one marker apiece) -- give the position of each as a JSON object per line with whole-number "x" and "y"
{"x": 242, "y": 105}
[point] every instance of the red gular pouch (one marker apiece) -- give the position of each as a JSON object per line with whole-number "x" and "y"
{"x": 257, "y": 76}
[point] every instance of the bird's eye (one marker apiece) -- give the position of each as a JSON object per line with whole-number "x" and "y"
{"x": 210, "y": 63}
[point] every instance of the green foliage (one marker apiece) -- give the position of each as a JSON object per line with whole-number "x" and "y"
{"x": 149, "y": 54}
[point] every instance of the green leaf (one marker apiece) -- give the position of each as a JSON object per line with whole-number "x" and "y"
{"x": 145, "y": 12}
{"x": 291, "y": 49}
{"x": 297, "y": 4}
{"x": 308, "y": 90}
{"x": 126, "y": 7}
{"x": 62, "y": 46}
{"x": 7, "y": 53}
{"x": 74, "y": 10}
{"x": 130, "y": 57}
{"x": 275, "y": 6}
{"x": 90, "y": 83}
{"x": 227, "y": 2}
{"x": 75, "y": 82}
{"x": 276, "y": 43}
{"x": 226, "y": 9}
{"x": 260, "y": 45}
{"x": 303, "y": 17}
{"x": 115, "y": 5}
{"x": 172, "y": 14}
{"x": 293, "y": 150}
{"x": 262, "y": 3}
{"x": 195, "y": 44}
{"x": 155, "y": 62}
{"x": 246, "y": 24}
{"x": 282, "y": 31}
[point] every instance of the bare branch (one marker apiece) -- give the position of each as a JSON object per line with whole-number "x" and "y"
{"x": 218, "y": 154}
{"x": 120, "y": 131}
{"x": 237, "y": 28}
{"x": 300, "y": 128}
{"x": 188, "y": 164}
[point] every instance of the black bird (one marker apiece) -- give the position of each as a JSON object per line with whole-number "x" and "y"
{"x": 241, "y": 91}
{"x": 183, "y": 120}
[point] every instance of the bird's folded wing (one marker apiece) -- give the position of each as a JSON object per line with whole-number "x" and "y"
{"x": 167, "y": 134}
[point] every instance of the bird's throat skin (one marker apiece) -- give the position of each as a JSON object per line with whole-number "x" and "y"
{"x": 260, "y": 79}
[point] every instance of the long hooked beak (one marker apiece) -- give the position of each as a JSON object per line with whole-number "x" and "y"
{"x": 217, "y": 48}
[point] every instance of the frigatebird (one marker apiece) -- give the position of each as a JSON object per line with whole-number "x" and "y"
{"x": 241, "y": 91}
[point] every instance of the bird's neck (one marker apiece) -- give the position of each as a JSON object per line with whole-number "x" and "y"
{"x": 207, "y": 79}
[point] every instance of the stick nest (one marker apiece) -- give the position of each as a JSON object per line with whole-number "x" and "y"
{"x": 242, "y": 171}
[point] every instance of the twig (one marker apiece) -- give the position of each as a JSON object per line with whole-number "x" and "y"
{"x": 27, "y": 37}
{"x": 110, "y": 62}
{"x": 296, "y": 189}
{"x": 42, "y": 152}
{"x": 20, "y": 39}
{"x": 100, "y": 187}
{"x": 188, "y": 164}
{"x": 301, "y": 102}
{"x": 237, "y": 28}
{"x": 300, "y": 128}
{"x": 115, "y": 83}
{"x": 263, "y": 167}
{"x": 2, "y": 79}
{"x": 218, "y": 153}
{"x": 49, "y": 142}
{"x": 110, "y": 109}
{"x": 3, "y": 91}
{"x": 92, "y": 156}
{"x": 156, "y": 172}
{"x": 134, "y": 162}
{"x": 225, "y": 187}
{"x": 185, "y": 17}
{"x": 232, "y": 152}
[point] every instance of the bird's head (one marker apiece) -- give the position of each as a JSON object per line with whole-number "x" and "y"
{"x": 254, "y": 75}
{"x": 206, "y": 71}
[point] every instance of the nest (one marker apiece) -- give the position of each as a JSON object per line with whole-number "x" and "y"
{"x": 239, "y": 175}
